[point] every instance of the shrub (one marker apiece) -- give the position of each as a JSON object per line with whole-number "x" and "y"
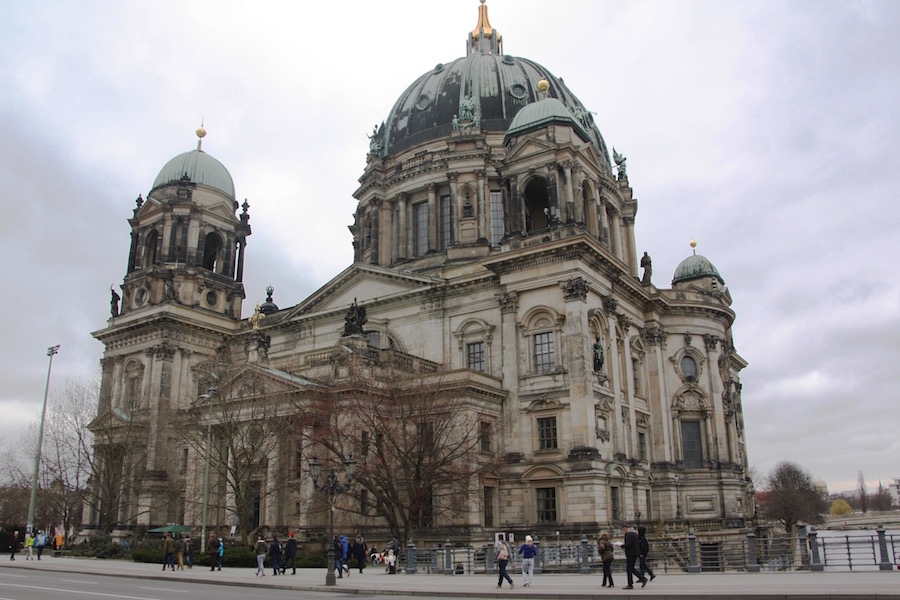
{"x": 840, "y": 507}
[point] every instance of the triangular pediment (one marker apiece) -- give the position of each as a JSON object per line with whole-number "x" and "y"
{"x": 363, "y": 283}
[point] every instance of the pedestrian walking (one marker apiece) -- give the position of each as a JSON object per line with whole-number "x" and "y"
{"x": 212, "y": 549}
{"x": 632, "y": 548}
{"x": 14, "y": 545}
{"x": 275, "y": 555}
{"x": 528, "y": 551}
{"x": 503, "y": 558}
{"x": 260, "y": 557}
{"x": 29, "y": 546}
{"x": 360, "y": 550}
{"x": 189, "y": 551}
{"x": 39, "y": 542}
{"x": 290, "y": 554}
{"x": 179, "y": 553}
{"x": 345, "y": 554}
{"x": 220, "y": 555}
{"x": 645, "y": 551}
{"x": 605, "y": 550}
{"x": 168, "y": 552}
{"x": 338, "y": 552}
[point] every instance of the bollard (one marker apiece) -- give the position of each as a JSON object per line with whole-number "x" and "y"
{"x": 885, "y": 564}
{"x": 410, "y": 558}
{"x": 803, "y": 536}
{"x": 585, "y": 557}
{"x": 815, "y": 564}
{"x": 752, "y": 561}
{"x": 448, "y": 561}
{"x": 694, "y": 567}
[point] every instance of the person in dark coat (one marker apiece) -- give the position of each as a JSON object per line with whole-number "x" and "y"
{"x": 212, "y": 548}
{"x": 275, "y": 555}
{"x": 632, "y": 548}
{"x": 360, "y": 551}
{"x": 645, "y": 551}
{"x": 338, "y": 553}
{"x": 605, "y": 549}
{"x": 290, "y": 554}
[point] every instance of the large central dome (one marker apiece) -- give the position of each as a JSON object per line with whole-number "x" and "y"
{"x": 499, "y": 84}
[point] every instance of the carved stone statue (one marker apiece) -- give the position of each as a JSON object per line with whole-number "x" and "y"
{"x": 598, "y": 354}
{"x": 114, "y": 302}
{"x": 620, "y": 164}
{"x": 355, "y": 319}
{"x": 466, "y": 109}
{"x": 455, "y": 123}
{"x": 647, "y": 265}
{"x": 374, "y": 141}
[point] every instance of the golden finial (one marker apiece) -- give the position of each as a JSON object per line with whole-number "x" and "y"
{"x": 543, "y": 85}
{"x": 201, "y": 133}
{"x": 694, "y": 245}
{"x": 483, "y": 24}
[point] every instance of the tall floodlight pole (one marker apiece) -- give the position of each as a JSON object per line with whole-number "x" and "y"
{"x": 209, "y": 394}
{"x": 37, "y": 455}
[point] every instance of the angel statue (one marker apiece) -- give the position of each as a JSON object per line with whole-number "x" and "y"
{"x": 620, "y": 164}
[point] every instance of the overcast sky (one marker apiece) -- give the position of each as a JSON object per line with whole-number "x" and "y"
{"x": 768, "y": 131}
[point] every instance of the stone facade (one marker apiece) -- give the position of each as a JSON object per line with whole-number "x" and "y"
{"x": 500, "y": 252}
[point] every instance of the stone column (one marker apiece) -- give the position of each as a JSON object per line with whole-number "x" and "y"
{"x": 403, "y": 250}
{"x": 714, "y": 381}
{"x": 482, "y": 208}
{"x": 630, "y": 254}
{"x": 386, "y": 227}
{"x": 509, "y": 364}
{"x": 455, "y": 202}
{"x": 579, "y": 201}
{"x": 570, "y": 196}
{"x": 604, "y": 220}
{"x": 578, "y": 355}
{"x": 433, "y": 211}
{"x": 615, "y": 235}
{"x": 615, "y": 376}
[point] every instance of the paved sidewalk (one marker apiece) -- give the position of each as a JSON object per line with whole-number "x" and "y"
{"x": 703, "y": 586}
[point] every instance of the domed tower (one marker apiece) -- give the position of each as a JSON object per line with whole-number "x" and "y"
{"x": 180, "y": 303}
{"x": 187, "y": 242}
{"x": 481, "y": 153}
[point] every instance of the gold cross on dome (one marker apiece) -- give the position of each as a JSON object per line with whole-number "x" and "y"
{"x": 256, "y": 318}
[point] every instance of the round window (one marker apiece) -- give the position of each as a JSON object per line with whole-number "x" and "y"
{"x": 423, "y": 102}
{"x": 517, "y": 90}
{"x": 140, "y": 297}
{"x": 689, "y": 368}
{"x": 211, "y": 298}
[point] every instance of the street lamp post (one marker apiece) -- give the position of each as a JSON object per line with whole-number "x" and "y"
{"x": 210, "y": 393}
{"x": 330, "y": 487}
{"x": 37, "y": 455}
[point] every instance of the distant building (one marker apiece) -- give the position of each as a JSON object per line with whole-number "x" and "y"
{"x": 494, "y": 240}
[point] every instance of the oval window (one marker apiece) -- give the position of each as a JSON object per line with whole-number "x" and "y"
{"x": 689, "y": 368}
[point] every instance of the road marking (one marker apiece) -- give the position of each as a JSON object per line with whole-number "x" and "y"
{"x": 31, "y": 587}
{"x": 163, "y": 590}
{"x": 79, "y": 581}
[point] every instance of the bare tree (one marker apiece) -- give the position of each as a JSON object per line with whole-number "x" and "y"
{"x": 421, "y": 441}
{"x": 248, "y": 413}
{"x": 792, "y": 497}
{"x": 862, "y": 492}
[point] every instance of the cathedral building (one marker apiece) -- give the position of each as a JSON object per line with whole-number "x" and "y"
{"x": 494, "y": 253}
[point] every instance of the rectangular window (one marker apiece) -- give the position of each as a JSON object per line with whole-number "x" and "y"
{"x": 642, "y": 446}
{"x": 298, "y": 458}
{"x": 420, "y": 229}
{"x": 546, "y": 505}
{"x": 184, "y": 460}
{"x": 691, "y": 444}
{"x": 496, "y": 217}
{"x": 475, "y": 356}
{"x": 636, "y": 375}
{"x": 485, "y": 436}
{"x": 614, "y": 503}
{"x": 364, "y": 445}
{"x": 649, "y": 506}
{"x": 547, "y": 433}
{"x": 544, "y": 356}
{"x": 489, "y": 506}
{"x": 446, "y": 222}
{"x": 363, "y": 501}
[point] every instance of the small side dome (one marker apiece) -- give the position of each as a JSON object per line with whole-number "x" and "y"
{"x": 540, "y": 114}
{"x": 695, "y": 267}
{"x": 268, "y": 307}
{"x": 200, "y": 168}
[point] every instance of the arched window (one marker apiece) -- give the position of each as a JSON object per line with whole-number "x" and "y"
{"x": 537, "y": 205}
{"x": 211, "y": 248}
{"x": 150, "y": 248}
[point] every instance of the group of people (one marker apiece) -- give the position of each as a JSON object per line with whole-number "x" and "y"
{"x": 177, "y": 551}
{"x": 359, "y": 550}
{"x": 635, "y": 545}
{"x": 280, "y": 555}
{"x": 636, "y": 548}
{"x": 33, "y": 541}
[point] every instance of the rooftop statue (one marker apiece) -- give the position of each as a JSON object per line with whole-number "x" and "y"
{"x": 620, "y": 164}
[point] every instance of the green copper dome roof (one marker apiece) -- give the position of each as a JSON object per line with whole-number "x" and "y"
{"x": 695, "y": 267}
{"x": 495, "y": 85}
{"x": 199, "y": 167}
{"x": 541, "y": 113}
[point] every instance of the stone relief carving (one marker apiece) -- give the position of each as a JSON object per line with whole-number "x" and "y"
{"x": 509, "y": 301}
{"x": 610, "y": 305}
{"x": 575, "y": 289}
